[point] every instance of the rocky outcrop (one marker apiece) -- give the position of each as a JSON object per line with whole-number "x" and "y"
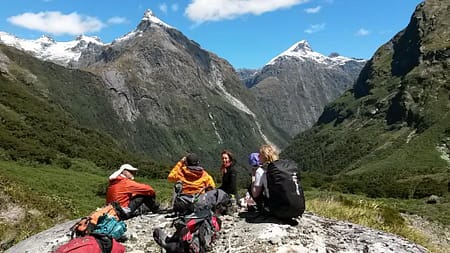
{"x": 312, "y": 234}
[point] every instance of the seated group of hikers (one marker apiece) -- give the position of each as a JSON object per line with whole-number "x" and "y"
{"x": 274, "y": 191}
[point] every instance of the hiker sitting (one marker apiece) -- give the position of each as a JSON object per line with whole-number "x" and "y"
{"x": 229, "y": 175}
{"x": 193, "y": 177}
{"x": 134, "y": 198}
{"x": 191, "y": 181}
{"x": 258, "y": 188}
{"x": 278, "y": 186}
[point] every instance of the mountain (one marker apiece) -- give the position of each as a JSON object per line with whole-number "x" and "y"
{"x": 389, "y": 135}
{"x": 300, "y": 83}
{"x": 46, "y": 48}
{"x": 247, "y": 75}
{"x": 46, "y": 111}
{"x": 168, "y": 95}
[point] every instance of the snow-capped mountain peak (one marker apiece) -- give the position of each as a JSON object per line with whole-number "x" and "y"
{"x": 303, "y": 52}
{"x": 45, "y": 40}
{"x": 47, "y": 48}
{"x": 148, "y": 20}
{"x": 149, "y": 16}
{"x": 301, "y": 47}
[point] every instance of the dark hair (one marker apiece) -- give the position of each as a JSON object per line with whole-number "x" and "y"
{"x": 192, "y": 160}
{"x": 230, "y": 155}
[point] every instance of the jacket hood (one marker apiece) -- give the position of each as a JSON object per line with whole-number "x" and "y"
{"x": 192, "y": 173}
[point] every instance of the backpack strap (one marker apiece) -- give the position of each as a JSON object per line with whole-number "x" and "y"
{"x": 104, "y": 241}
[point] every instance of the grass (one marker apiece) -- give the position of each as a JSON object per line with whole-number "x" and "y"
{"x": 382, "y": 214}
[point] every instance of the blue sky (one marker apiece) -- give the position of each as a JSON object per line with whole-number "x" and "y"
{"x": 247, "y": 33}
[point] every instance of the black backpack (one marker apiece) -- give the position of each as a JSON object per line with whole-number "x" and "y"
{"x": 286, "y": 199}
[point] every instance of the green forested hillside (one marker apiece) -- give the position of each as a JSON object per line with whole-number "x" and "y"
{"x": 390, "y": 135}
{"x": 53, "y": 166}
{"x": 42, "y": 126}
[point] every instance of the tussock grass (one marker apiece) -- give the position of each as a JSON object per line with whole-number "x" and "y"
{"x": 367, "y": 212}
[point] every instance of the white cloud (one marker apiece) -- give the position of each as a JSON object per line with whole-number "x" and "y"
{"x": 215, "y": 10}
{"x": 362, "y": 32}
{"x": 315, "y": 28}
{"x": 57, "y": 23}
{"x": 313, "y": 10}
{"x": 163, "y": 8}
{"x": 174, "y": 7}
{"x": 117, "y": 20}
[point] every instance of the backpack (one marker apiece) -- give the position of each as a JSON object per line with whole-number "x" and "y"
{"x": 110, "y": 226}
{"x": 87, "y": 224}
{"x": 216, "y": 200}
{"x": 197, "y": 232}
{"x": 91, "y": 244}
{"x": 286, "y": 199}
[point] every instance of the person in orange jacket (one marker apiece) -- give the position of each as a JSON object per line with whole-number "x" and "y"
{"x": 194, "y": 178}
{"x": 134, "y": 198}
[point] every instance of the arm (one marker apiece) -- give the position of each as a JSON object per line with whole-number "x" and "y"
{"x": 175, "y": 173}
{"x": 210, "y": 181}
{"x": 136, "y": 188}
{"x": 257, "y": 186}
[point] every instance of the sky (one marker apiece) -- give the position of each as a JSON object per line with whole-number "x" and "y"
{"x": 247, "y": 33}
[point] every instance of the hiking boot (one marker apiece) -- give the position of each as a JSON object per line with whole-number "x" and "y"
{"x": 160, "y": 237}
{"x": 155, "y": 208}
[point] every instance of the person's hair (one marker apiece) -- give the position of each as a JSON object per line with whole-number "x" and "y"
{"x": 230, "y": 155}
{"x": 268, "y": 153}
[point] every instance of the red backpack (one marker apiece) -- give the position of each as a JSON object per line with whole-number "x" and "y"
{"x": 89, "y": 244}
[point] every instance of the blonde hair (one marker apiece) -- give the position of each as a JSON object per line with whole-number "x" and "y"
{"x": 268, "y": 153}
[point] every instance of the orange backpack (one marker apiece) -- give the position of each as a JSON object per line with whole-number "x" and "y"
{"x": 86, "y": 224}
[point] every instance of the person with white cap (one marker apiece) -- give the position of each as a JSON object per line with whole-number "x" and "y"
{"x": 134, "y": 198}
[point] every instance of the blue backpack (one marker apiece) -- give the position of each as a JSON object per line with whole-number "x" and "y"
{"x": 110, "y": 226}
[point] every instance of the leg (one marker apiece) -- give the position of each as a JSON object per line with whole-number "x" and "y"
{"x": 142, "y": 204}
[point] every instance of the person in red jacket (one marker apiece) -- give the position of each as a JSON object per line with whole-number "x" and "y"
{"x": 134, "y": 198}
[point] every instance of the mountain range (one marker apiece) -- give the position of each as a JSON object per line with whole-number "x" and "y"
{"x": 170, "y": 97}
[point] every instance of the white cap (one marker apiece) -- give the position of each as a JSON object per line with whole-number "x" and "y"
{"x": 121, "y": 169}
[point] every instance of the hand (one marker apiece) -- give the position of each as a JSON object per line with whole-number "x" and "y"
{"x": 183, "y": 159}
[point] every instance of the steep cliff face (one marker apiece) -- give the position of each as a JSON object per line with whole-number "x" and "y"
{"x": 390, "y": 132}
{"x": 294, "y": 87}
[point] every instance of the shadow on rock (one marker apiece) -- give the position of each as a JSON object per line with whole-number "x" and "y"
{"x": 256, "y": 217}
